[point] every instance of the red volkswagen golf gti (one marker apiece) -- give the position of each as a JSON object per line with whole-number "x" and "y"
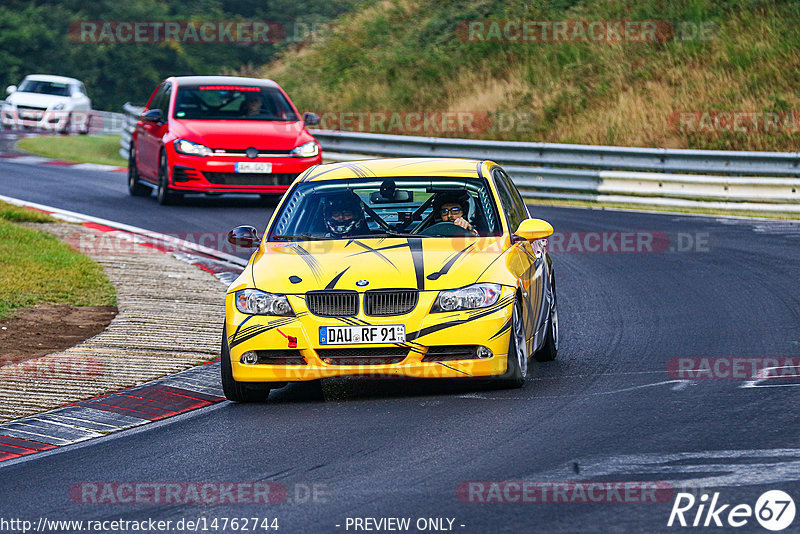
{"x": 219, "y": 134}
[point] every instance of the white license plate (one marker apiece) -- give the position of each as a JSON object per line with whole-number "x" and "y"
{"x": 357, "y": 335}
{"x": 264, "y": 167}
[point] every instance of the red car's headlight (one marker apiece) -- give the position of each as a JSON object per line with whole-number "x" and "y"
{"x": 190, "y": 148}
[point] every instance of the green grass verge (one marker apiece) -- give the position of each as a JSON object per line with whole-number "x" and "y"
{"x": 102, "y": 149}
{"x": 37, "y": 268}
{"x": 10, "y": 212}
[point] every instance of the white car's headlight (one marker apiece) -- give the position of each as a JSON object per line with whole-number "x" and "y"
{"x": 467, "y": 298}
{"x": 307, "y": 150}
{"x": 192, "y": 149}
{"x": 257, "y": 302}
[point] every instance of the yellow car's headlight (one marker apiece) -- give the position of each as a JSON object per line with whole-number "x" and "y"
{"x": 467, "y": 298}
{"x": 257, "y": 302}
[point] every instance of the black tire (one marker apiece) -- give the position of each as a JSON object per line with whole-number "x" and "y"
{"x": 87, "y": 125}
{"x": 549, "y": 350}
{"x": 517, "y": 368}
{"x": 135, "y": 187}
{"x": 238, "y": 391}
{"x": 67, "y": 127}
{"x": 164, "y": 194}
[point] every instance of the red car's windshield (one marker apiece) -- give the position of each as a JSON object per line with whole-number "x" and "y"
{"x": 232, "y": 102}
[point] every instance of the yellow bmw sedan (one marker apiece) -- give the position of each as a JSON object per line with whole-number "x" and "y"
{"x": 424, "y": 268}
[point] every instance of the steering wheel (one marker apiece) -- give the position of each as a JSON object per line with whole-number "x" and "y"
{"x": 446, "y": 229}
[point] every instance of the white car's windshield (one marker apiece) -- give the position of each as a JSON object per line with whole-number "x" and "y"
{"x": 232, "y": 102}
{"x": 384, "y": 207}
{"x": 45, "y": 88}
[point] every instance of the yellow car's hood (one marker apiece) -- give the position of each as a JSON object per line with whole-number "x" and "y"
{"x": 360, "y": 264}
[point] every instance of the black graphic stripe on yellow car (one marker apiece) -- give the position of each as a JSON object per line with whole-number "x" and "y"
{"x": 308, "y": 258}
{"x": 502, "y": 303}
{"x": 454, "y": 369}
{"x": 502, "y": 329}
{"x": 359, "y": 170}
{"x": 238, "y": 328}
{"x": 448, "y": 324}
{"x": 415, "y": 245}
{"x": 255, "y": 330}
{"x": 332, "y": 283}
{"x": 318, "y": 173}
{"x": 450, "y": 262}
{"x": 375, "y": 251}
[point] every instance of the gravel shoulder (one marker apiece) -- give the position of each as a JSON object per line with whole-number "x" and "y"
{"x": 169, "y": 319}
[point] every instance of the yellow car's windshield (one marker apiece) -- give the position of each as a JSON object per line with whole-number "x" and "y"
{"x": 380, "y": 207}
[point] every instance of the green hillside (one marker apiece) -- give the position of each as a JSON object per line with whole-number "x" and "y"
{"x": 717, "y": 75}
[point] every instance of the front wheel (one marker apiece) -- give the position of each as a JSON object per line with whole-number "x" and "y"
{"x": 233, "y": 390}
{"x": 135, "y": 187}
{"x": 517, "y": 368}
{"x": 164, "y": 194}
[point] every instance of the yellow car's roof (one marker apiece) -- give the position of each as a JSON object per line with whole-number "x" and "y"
{"x": 389, "y": 167}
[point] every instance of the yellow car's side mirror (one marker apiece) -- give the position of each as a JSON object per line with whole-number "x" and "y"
{"x": 533, "y": 229}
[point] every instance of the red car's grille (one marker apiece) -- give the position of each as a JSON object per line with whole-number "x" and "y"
{"x": 184, "y": 174}
{"x": 244, "y": 178}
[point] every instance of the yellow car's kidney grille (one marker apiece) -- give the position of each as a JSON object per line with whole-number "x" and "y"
{"x": 332, "y": 303}
{"x": 382, "y": 302}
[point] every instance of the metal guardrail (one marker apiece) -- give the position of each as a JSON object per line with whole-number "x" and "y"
{"x": 131, "y": 117}
{"x": 719, "y": 179}
{"x": 673, "y": 177}
{"x": 555, "y": 154}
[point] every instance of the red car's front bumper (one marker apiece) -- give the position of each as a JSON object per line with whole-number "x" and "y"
{"x": 218, "y": 174}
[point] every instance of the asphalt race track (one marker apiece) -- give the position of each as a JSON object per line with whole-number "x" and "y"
{"x": 606, "y": 410}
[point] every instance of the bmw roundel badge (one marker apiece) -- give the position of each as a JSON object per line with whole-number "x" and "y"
{"x": 362, "y": 283}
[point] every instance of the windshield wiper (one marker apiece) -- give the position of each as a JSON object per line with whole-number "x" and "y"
{"x": 301, "y": 237}
{"x": 391, "y": 233}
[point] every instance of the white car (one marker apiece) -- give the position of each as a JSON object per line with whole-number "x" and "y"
{"x": 49, "y": 103}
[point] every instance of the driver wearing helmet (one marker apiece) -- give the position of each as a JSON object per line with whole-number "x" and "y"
{"x": 344, "y": 215}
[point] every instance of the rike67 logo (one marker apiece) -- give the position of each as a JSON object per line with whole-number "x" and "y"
{"x": 774, "y": 510}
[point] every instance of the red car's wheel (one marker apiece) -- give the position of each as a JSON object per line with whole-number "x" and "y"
{"x": 135, "y": 187}
{"x": 164, "y": 194}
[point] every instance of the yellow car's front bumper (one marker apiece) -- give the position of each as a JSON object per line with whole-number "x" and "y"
{"x": 299, "y": 337}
